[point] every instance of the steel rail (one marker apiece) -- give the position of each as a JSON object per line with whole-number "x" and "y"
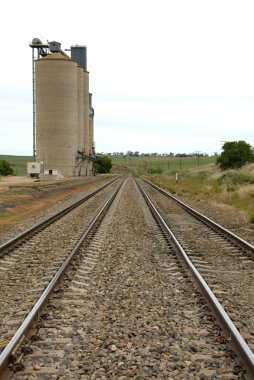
{"x": 233, "y": 237}
{"x": 17, "y": 337}
{"x": 237, "y": 341}
{"x": 51, "y": 219}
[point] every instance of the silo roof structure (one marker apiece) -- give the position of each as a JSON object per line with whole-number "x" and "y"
{"x": 79, "y": 55}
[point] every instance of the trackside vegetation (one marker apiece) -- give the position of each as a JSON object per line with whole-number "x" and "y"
{"x": 233, "y": 187}
{"x": 197, "y": 177}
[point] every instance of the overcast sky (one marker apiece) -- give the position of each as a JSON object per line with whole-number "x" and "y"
{"x": 166, "y": 75}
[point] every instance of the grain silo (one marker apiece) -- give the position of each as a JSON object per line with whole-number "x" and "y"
{"x": 56, "y": 113}
{"x": 79, "y": 54}
{"x": 62, "y": 143}
{"x": 81, "y": 116}
{"x": 88, "y": 149}
{"x": 91, "y": 124}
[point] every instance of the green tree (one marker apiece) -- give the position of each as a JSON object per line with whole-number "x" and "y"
{"x": 235, "y": 154}
{"x": 5, "y": 168}
{"x": 102, "y": 164}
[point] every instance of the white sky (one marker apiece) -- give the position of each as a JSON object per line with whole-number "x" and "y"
{"x": 166, "y": 75}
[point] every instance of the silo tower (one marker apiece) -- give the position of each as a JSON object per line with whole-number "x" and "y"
{"x": 63, "y": 137}
{"x": 91, "y": 124}
{"x": 79, "y": 55}
{"x": 56, "y": 113}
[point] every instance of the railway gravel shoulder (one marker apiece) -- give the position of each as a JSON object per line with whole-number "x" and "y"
{"x": 225, "y": 215}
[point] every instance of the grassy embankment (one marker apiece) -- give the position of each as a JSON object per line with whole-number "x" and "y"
{"x": 197, "y": 178}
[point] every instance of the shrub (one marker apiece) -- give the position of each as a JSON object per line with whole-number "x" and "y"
{"x": 5, "y": 168}
{"x": 154, "y": 171}
{"x": 237, "y": 179}
{"x": 252, "y": 219}
{"x": 235, "y": 154}
{"x": 102, "y": 164}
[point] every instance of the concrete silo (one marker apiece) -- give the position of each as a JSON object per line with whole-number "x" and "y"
{"x": 57, "y": 113}
{"x": 91, "y": 125}
{"x": 79, "y": 54}
{"x": 86, "y": 113}
{"x": 81, "y": 132}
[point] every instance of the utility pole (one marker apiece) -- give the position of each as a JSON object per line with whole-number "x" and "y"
{"x": 197, "y": 152}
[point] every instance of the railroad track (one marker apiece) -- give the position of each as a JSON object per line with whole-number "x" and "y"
{"x": 30, "y": 260}
{"x": 225, "y": 260}
{"x": 127, "y": 308}
{"x": 9, "y": 245}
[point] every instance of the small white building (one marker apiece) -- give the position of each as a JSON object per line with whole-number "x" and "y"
{"x": 33, "y": 169}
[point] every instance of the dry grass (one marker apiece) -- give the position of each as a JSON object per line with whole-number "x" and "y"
{"x": 234, "y": 188}
{"x": 249, "y": 168}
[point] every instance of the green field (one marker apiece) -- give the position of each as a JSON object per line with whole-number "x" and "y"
{"x": 158, "y": 164}
{"x": 18, "y": 163}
